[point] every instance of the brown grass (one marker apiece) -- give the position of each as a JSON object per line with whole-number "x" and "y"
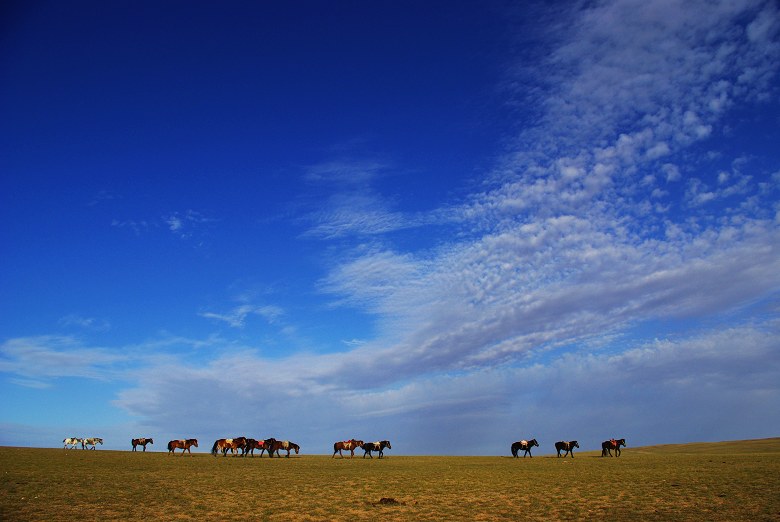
{"x": 725, "y": 481}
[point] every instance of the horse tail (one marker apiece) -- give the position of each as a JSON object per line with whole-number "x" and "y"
{"x": 214, "y": 448}
{"x": 514, "y": 450}
{"x": 170, "y": 446}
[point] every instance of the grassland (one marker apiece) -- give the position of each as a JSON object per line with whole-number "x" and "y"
{"x": 722, "y": 481}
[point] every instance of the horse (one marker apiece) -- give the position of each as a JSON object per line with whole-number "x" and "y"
{"x": 524, "y": 445}
{"x": 184, "y": 444}
{"x": 141, "y": 442}
{"x": 277, "y": 445}
{"x": 568, "y": 447}
{"x": 612, "y": 444}
{"x": 72, "y": 442}
{"x": 252, "y": 445}
{"x": 351, "y": 445}
{"x": 91, "y": 442}
{"x": 224, "y": 445}
{"x": 379, "y": 446}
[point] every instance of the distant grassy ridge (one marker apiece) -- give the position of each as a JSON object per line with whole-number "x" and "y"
{"x": 734, "y": 480}
{"x": 770, "y": 445}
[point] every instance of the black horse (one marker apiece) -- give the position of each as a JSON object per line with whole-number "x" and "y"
{"x": 379, "y": 446}
{"x": 524, "y": 445}
{"x": 568, "y": 447}
{"x": 612, "y": 444}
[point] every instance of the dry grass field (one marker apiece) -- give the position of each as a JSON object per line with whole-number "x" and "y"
{"x": 722, "y": 481}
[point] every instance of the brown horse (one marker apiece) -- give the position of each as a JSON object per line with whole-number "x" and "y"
{"x": 351, "y": 445}
{"x": 524, "y": 445}
{"x": 379, "y": 446}
{"x": 225, "y": 445}
{"x": 612, "y": 444}
{"x": 141, "y": 442}
{"x": 568, "y": 447}
{"x": 184, "y": 444}
{"x": 279, "y": 445}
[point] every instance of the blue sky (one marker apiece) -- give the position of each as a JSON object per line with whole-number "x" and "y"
{"x": 424, "y": 223}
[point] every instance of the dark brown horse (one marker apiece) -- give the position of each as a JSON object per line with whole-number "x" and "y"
{"x": 612, "y": 444}
{"x": 351, "y": 445}
{"x": 524, "y": 445}
{"x": 141, "y": 442}
{"x": 183, "y": 444}
{"x": 277, "y": 446}
{"x": 379, "y": 446}
{"x": 252, "y": 445}
{"x": 568, "y": 447}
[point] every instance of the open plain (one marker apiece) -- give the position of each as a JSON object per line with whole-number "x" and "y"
{"x": 737, "y": 480}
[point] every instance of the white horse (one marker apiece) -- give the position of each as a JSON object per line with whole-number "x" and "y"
{"x": 91, "y": 442}
{"x": 72, "y": 442}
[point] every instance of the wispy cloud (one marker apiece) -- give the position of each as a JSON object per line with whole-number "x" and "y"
{"x": 340, "y": 173}
{"x": 188, "y": 224}
{"x": 136, "y": 226}
{"x": 237, "y": 316}
{"x": 358, "y": 214}
{"x": 88, "y": 323}
{"x": 39, "y": 359}
{"x": 185, "y": 224}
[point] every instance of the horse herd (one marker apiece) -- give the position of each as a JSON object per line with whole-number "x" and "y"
{"x": 567, "y": 447}
{"x": 246, "y": 446}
